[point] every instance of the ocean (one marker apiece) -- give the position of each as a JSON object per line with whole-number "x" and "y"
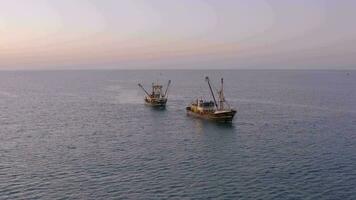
{"x": 86, "y": 134}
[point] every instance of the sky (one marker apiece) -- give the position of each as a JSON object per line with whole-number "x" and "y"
{"x": 177, "y": 34}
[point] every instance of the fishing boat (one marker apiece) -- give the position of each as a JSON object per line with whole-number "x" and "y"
{"x": 156, "y": 98}
{"x": 212, "y": 110}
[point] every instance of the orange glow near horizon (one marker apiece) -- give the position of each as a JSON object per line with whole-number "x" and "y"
{"x": 57, "y": 34}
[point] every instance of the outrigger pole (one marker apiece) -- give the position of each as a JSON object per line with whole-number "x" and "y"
{"x": 169, "y": 83}
{"x": 211, "y": 90}
{"x": 143, "y": 89}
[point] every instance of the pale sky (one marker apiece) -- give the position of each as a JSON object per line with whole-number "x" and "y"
{"x": 177, "y": 34}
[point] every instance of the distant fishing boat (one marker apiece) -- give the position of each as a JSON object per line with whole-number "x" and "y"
{"x": 212, "y": 110}
{"x": 156, "y": 98}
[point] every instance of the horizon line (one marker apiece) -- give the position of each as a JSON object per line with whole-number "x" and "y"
{"x": 174, "y": 69}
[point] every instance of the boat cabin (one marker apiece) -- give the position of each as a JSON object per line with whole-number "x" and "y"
{"x": 156, "y": 91}
{"x": 203, "y": 106}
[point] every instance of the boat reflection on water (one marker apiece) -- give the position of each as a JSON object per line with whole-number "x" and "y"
{"x": 203, "y": 126}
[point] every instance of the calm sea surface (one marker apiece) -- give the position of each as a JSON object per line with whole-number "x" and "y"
{"x": 88, "y": 135}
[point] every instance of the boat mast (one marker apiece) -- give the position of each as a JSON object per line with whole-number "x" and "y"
{"x": 169, "y": 83}
{"x": 153, "y": 89}
{"x": 221, "y": 95}
{"x": 211, "y": 90}
{"x": 143, "y": 89}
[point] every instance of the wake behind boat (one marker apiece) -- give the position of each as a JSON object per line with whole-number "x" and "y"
{"x": 212, "y": 110}
{"x": 156, "y": 98}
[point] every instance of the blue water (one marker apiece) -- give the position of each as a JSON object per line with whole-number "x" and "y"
{"x": 88, "y": 135}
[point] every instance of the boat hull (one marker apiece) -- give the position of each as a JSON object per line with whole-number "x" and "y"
{"x": 226, "y": 116}
{"x": 156, "y": 103}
